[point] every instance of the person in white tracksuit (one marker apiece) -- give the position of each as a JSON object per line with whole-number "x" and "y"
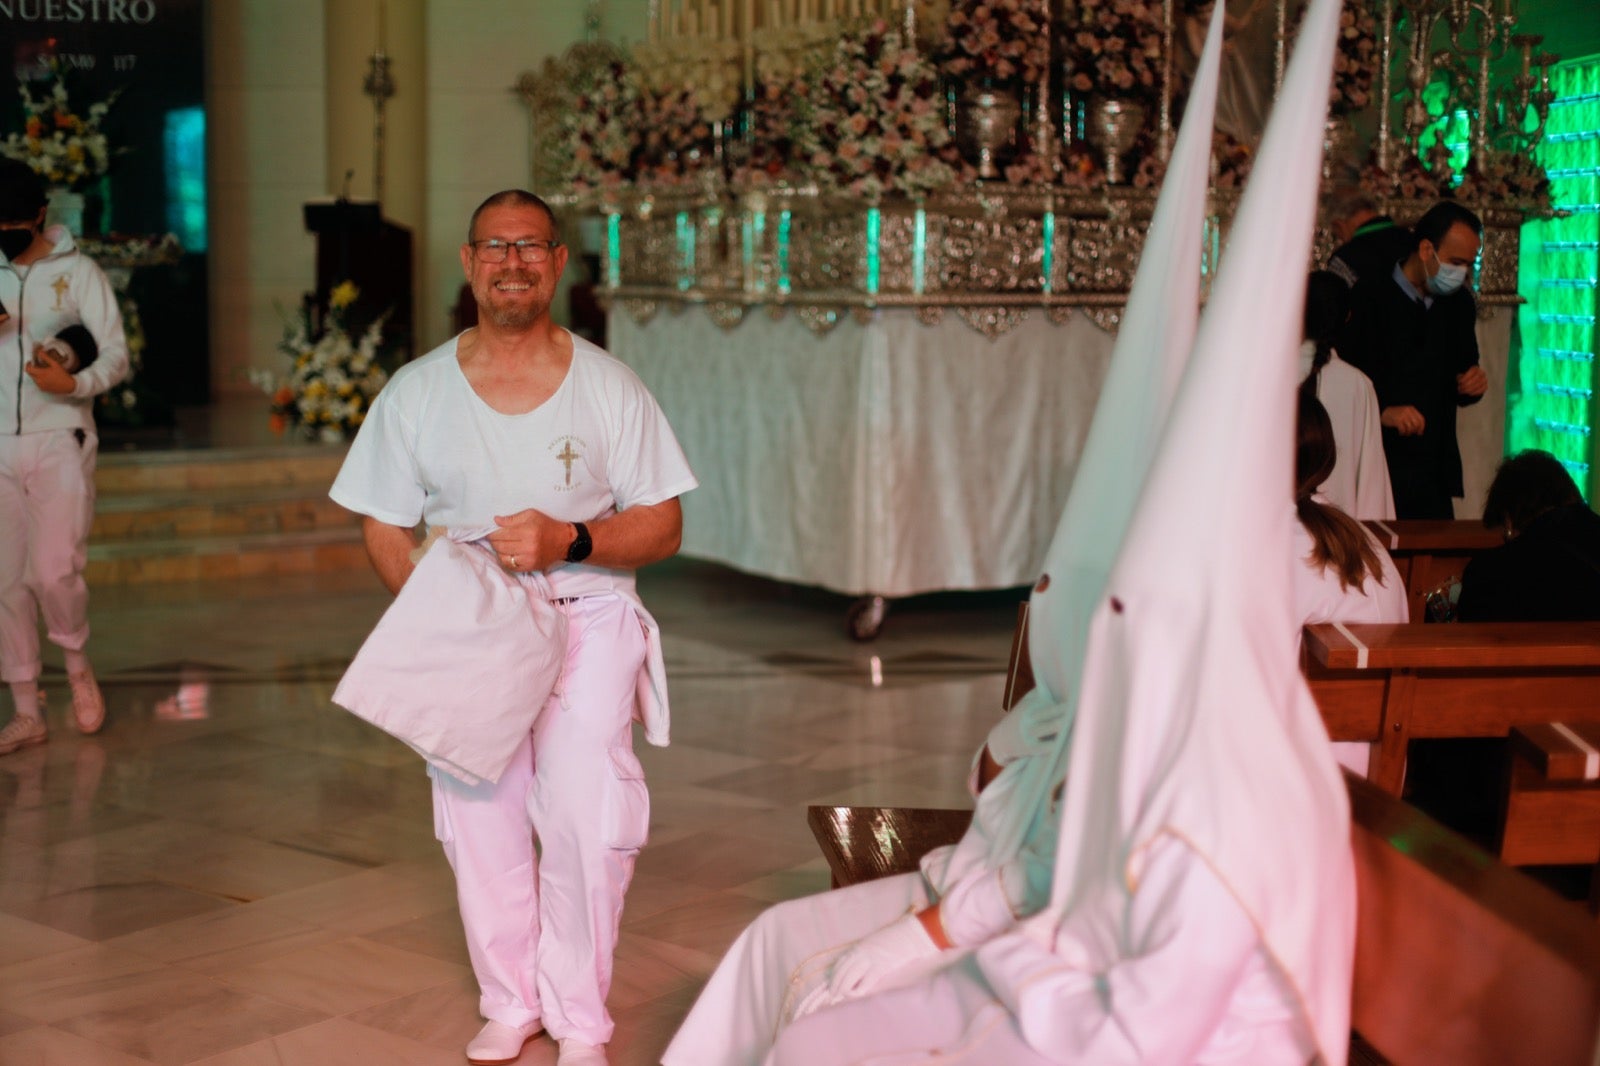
{"x": 520, "y": 425}
{"x": 47, "y": 451}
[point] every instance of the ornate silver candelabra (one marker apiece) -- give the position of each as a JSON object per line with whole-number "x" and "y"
{"x": 1464, "y": 40}
{"x": 378, "y": 84}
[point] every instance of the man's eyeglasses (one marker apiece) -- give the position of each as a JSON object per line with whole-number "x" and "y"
{"x": 529, "y": 251}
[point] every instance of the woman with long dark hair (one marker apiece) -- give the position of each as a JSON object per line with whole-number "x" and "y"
{"x": 1348, "y": 576}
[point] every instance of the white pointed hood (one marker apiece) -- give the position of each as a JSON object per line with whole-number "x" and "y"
{"x": 1152, "y": 347}
{"x": 1193, "y": 719}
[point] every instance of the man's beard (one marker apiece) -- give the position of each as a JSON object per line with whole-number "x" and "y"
{"x": 515, "y": 316}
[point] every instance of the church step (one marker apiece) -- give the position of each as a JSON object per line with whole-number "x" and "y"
{"x": 139, "y": 561}
{"x": 204, "y": 514}
{"x": 215, "y": 513}
{"x": 306, "y": 464}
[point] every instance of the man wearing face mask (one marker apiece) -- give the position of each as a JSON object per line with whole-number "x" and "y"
{"x": 47, "y": 451}
{"x": 1413, "y": 332}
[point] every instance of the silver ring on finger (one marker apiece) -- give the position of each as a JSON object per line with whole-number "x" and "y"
{"x": 513, "y": 562}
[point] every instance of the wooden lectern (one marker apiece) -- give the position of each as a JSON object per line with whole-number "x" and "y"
{"x": 356, "y": 243}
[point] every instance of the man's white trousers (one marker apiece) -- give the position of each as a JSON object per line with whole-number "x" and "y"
{"x": 543, "y": 857}
{"x": 46, "y": 507}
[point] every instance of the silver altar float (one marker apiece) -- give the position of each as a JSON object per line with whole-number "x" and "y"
{"x": 1058, "y": 231}
{"x": 825, "y": 162}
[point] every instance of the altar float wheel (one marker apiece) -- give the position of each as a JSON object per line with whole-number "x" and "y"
{"x": 865, "y": 617}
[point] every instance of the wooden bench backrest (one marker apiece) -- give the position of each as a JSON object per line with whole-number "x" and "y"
{"x": 1448, "y": 536}
{"x": 1461, "y": 960}
{"x": 1466, "y": 646}
{"x": 1431, "y": 554}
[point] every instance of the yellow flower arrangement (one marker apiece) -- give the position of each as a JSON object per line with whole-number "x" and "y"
{"x": 330, "y": 386}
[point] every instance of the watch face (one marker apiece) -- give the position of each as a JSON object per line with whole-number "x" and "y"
{"x": 581, "y": 545}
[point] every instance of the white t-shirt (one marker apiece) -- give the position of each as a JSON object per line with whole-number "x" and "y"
{"x": 431, "y": 450}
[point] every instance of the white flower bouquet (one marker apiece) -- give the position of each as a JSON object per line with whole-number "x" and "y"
{"x": 329, "y": 388}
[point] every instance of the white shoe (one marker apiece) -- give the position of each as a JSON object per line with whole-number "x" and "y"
{"x": 88, "y": 706}
{"x": 577, "y": 1053}
{"x": 497, "y": 1043}
{"x": 21, "y": 731}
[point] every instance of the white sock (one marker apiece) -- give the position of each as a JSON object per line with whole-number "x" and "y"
{"x": 77, "y": 661}
{"x": 25, "y": 695}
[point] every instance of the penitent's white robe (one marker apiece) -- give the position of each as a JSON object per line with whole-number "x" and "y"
{"x": 1148, "y": 1008}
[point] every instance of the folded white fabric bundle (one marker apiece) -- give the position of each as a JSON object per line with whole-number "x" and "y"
{"x": 462, "y": 662}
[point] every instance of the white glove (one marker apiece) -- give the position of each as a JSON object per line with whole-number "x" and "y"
{"x": 864, "y": 965}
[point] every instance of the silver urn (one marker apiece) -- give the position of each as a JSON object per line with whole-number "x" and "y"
{"x": 986, "y": 127}
{"x": 1114, "y": 124}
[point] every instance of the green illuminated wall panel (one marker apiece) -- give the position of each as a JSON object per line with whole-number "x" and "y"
{"x": 1551, "y": 401}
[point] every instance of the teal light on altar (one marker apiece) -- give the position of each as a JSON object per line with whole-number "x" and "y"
{"x": 613, "y": 250}
{"x": 1210, "y": 252}
{"x": 874, "y": 231}
{"x": 1047, "y": 262}
{"x": 784, "y": 223}
{"x": 755, "y": 230}
{"x": 184, "y": 154}
{"x": 685, "y": 251}
{"x": 919, "y": 254}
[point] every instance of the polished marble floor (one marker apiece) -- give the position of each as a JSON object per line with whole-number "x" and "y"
{"x": 237, "y": 873}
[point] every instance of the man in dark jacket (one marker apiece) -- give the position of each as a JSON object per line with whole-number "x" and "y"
{"x": 1413, "y": 332}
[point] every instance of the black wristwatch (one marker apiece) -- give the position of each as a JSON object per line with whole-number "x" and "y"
{"x": 581, "y": 544}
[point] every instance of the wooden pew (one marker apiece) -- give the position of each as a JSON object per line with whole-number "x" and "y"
{"x": 1387, "y": 684}
{"x": 1459, "y": 961}
{"x": 1430, "y": 553}
{"x": 1552, "y": 801}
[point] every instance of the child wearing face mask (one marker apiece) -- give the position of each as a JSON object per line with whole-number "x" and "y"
{"x": 61, "y": 345}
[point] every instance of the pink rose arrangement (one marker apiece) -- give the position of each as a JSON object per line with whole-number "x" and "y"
{"x": 601, "y": 128}
{"x": 1355, "y": 60}
{"x": 1508, "y": 178}
{"x": 677, "y": 141}
{"x": 1113, "y": 48}
{"x": 996, "y": 41}
{"x": 1411, "y": 179}
{"x": 872, "y": 121}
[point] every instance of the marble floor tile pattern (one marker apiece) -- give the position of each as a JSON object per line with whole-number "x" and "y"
{"x": 238, "y": 873}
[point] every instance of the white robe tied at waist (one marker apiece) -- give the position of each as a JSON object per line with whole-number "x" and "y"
{"x": 463, "y": 661}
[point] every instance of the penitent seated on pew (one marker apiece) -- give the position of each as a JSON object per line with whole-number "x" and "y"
{"x": 1460, "y": 961}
